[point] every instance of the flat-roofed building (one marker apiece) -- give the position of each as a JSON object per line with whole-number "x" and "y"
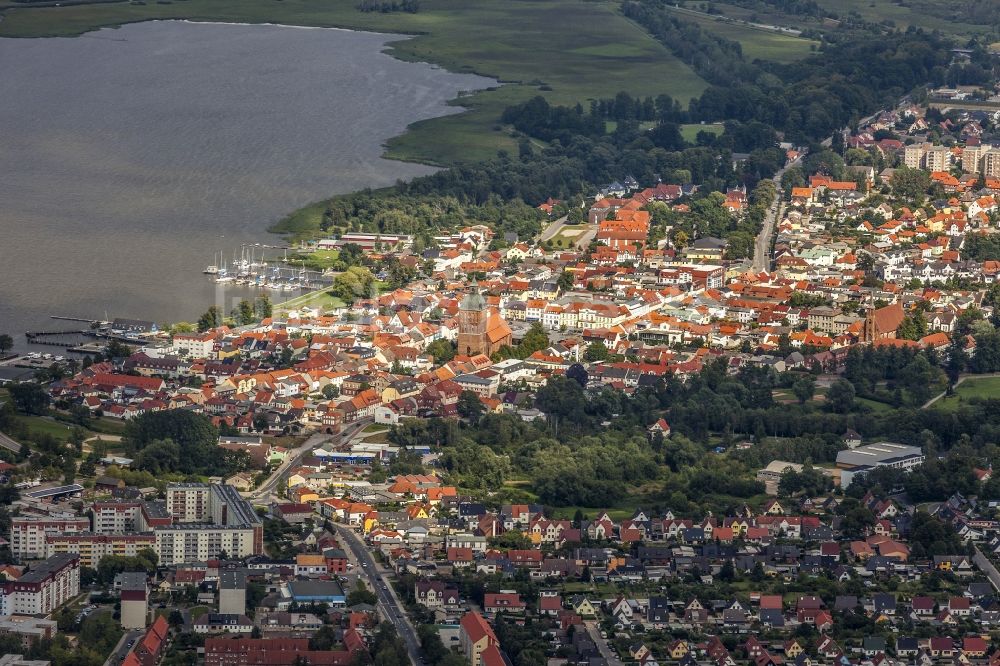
{"x": 28, "y": 533}
{"x": 863, "y": 459}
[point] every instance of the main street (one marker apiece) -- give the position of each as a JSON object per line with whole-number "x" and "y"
{"x": 762, "y": 247}
{"x": 392, "y": 608}
{"x": 292, "y": 460}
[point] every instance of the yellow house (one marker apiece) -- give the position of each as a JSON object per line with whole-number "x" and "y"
{"x": 583, "y": 607}
{"x": 740, "y": 527}
{"x": 370, "y": 522}
{"x": 793, "y": 649}
{"x": 296, "y": 480}
{"x": 678, "y": 649}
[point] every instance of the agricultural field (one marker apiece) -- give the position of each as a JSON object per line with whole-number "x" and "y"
{"x": 757, "y": 43}
{"x": 567, "y": 50}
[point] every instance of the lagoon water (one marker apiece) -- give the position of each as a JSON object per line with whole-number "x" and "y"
{"x": 129, "y": 157}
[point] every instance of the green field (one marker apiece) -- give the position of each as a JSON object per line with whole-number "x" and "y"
{"x": 321, "y": 299}
{"x": 690, "y": 131}
{"x": 972, "y": 387}
{"x": 756, "y": 42}
{"x": 567, "y": 50}
{"x": 925, "y": 14}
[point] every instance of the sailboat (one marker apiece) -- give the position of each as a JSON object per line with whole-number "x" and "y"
{"x": 212, "y": 269}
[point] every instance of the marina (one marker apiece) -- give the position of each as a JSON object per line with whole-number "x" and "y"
{"x": 253, "y": 268}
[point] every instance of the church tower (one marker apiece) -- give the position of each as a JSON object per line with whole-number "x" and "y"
{"x": 472, "y": 320}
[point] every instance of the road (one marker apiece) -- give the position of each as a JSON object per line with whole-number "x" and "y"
{"x": 986, "y": 567}
{"x": 9, "y": 444}
{"x": 121, "y": 650}
{"x": 392, "y": 608}
{"x": 602, "y": 644}
{"x": 762, "y": 247}
{"x": 581, "y": 241}
{"x": 280, "y": 475}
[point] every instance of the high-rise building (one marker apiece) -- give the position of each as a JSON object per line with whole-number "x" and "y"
{"x": 937, "y": 158}
{"x": 971, "y": 157}
{"x": 913, "y": 156}
{"x": 991, "y": 163}
{"x": 134, "y": 590}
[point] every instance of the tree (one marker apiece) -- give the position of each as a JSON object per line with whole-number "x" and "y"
{"x": 804, "y": 389}
{"x": 361, "y": 595}
{"x": 244, "y": 312}
{"x": 212, "y": 318}
{"x": 442, "y": 350}
{"x": 29, "y": 398}
{"x": 6, "y": 343}
{"x": 331, "y": 391}
{"x": 470, "y": 406}
{"x": 596, "y": 351}
{"x": 175, "y": 619}
{"x": 910, "y": 184}
{"x": 578, "y": 373}
{"x": 357, "y": 282}
{"x": 193, "y": 434}
{"x": 840, "y": 396}
{"x": 565, "y": 280}
{"x": 262, "y": 308}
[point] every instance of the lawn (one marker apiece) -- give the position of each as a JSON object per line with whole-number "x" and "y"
{"x": 38, "y": 425}
{"x": 197, "y": 611}
{"x": 321, "y": 299}
{"x": 567, "y": 50}
{"x": 690, "y": 131}
{"x": 757, "y": 43}
{"x": 972, "y": 387}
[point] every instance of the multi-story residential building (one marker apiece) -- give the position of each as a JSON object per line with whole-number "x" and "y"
{"x": 126, "y": 516}
{"x": 189, "y": 502}
{"x": 134, "y": 590}
{"x": 937, "y": 158}
{"x": 913, "y": 156}
{"x": 38, "y": 592}
{"x": 991, "y": 163}
{"x": 91, "y": 548}
{"x": 212, "y": 520}
{"x": 28, "y": 533}
{"x": 971, "y": 158}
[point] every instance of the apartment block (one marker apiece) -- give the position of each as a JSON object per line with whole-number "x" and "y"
{"x": 189, "y": 502}
{"x": 991, "y": 163}
{"x": 28, "y": 533}
{"x": 48, "y": 585}
{"x": 937, "y": 158}
{"x": 92, "y": 547}
{"x": 971, "y": 158}
{"x": 913, "y": 156}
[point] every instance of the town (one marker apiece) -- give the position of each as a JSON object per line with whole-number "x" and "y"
{"x": 678, "y": 426}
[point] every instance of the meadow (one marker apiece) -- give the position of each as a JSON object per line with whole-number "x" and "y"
{"x": 757, "y": 43}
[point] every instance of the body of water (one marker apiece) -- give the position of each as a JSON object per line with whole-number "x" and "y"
{"x": 129, "y": 157}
